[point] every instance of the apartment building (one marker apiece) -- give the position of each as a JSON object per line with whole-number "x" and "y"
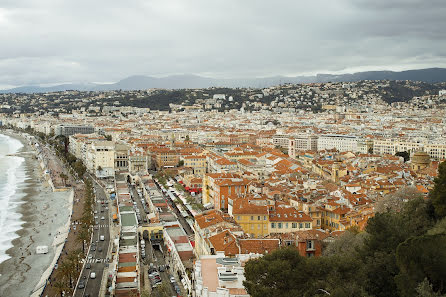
{"x": 163, "y": 157}
{"x": 100, "y": 158}
{"x": 436, "y": 151}
{"x": 301, "y": 142}
{"x": 197, "y": 163}
{"x": 342, "y": 143}
{"x": 254, "y": 219}
{"x": 285, "y": 219}
{"x": 218, "y": 188}
{"x": 67, "y": 130}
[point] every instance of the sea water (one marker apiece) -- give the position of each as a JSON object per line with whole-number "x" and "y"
{"x": 12, "y": 178}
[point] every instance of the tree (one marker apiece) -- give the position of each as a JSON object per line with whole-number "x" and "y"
{"x": 396, "y": 201}
{"x": 64, "y": 178}
{"x": 425, "y": 289}
{"x": 419, "y": 258}
{"x": 181, "y": 163}
{"x": 438, "y": 193}
{"x": 281, "y": 273}
{"x": 404, "y": 154}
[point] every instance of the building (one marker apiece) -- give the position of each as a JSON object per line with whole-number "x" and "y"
{"x": 67, "y": 130}
{"x": 301, "y": 142}
{"x": 218, "y": 188}
{"x": 197, "y": 163}
{"x": 420, "y": 160}
{"x": 342, "y": 143}
{"x": 219, "y": 276}
{"x": 138, "y": 162}
{"x": 285, "y": 218}
{"x": 253, "y": 218}
{"x": 100, "y": 158}
{"x": 163, "y": 157}
{"x": 121, "y": 157}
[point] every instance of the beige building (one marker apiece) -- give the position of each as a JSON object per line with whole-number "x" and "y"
{"x": 101, "y": 158}
{"x": 197, "y": 163}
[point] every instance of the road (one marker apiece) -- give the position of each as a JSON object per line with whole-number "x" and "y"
{"x": 97, "y": 254}
{"x": 156, "y": 257}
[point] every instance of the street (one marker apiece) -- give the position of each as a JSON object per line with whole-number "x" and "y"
{"x": 97, "y": 254}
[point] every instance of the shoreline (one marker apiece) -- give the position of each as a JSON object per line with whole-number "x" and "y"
{"x": 43, "y": 214}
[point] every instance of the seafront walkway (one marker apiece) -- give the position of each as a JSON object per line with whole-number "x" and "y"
{"x": 71, "y": 244}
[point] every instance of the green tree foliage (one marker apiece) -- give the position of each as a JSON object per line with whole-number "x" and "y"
{"x": 438, "y": 193}
{"x": 404, "y": 154}
{"x": 400, "y": 250}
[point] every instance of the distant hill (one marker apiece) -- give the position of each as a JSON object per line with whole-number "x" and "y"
{"x": 430, "y": 75}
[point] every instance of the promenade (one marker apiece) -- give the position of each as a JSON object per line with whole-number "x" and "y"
{"x": 56, "y": 168}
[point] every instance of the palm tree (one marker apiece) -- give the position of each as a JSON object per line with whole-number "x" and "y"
{"x": 67, "y": 271}
{"x": 82, "y": 236}
{"x": 60, "y": 287}
{"x": 64, "y": 177}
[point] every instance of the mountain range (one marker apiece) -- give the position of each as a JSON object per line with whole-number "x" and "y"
{"x": 139, "y": 82}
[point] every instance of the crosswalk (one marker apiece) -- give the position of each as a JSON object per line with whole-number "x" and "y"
{"x": 91, "y": 261}
{"x": 103, "y": 226}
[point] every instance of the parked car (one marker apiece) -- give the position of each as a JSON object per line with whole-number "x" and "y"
{"x": 81, "y": 285}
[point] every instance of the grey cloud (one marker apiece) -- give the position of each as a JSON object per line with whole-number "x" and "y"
{"x": 58, "y": 41}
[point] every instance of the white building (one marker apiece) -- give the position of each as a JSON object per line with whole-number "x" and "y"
{"x": 217, "y": 276}
{"x": 342, "y": 143}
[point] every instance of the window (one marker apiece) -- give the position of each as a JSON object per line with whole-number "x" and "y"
{"x": 279, "y": 225}
{"x": 273, "y": 225}
{"x": 294, "y": 225}
{"x": 264, "y": 218}
{"x": 258, "y": 226}
{"x": 286, "y": 225}
{"x": 310, "y": 245}
{"x": 307, "y": 225}
{"x": 252, "y": 218}
{"x": 238, "y": 218}
{"x": 301, "y": 225}
{"x": 258, "y": 218}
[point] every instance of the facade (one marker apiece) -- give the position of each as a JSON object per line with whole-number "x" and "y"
{"x": 286, "y": 219}
{"x": 197, "y": 163}
{"x": 163, "y": 157}
{"x": 254, "y": 219}
{"x": 67, "y": 130}
{"x": 121, "y": 157}
{"x": 301, "y": 142}
{"x": 100, "y": 158}
{"x": 342, "y": 143}
{"x": 218, "y": 188}
{"x": 138, "y": 162}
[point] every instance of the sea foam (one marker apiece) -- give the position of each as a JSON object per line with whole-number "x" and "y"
{"x": 12, "y": 177}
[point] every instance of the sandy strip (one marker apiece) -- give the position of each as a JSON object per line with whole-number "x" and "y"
{"x": 43, "y": 212}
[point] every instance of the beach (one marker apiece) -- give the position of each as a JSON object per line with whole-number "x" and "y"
{"x": 44, "y": 214}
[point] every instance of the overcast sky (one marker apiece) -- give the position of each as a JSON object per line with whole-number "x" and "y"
{"x": 53, "y": 41}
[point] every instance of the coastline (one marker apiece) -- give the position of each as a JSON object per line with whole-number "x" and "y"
{"x": 44, "y": 214}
